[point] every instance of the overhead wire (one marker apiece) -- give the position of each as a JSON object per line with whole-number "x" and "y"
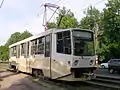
{"x": 52, "y": 15}
{"x": 66, "y": 0}
{"x": 54, "y": 11}
{"x": 57, "y": 1}
{"x": 92, "y": 5}
{"x": 81, "y": 10}
{"x": 98, "y": 2}
{"x": 38, "y": 15}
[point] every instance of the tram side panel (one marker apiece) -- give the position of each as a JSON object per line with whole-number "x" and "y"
{"x": 12, "y": 59}
{"x": 12, "y": 62}
{"x": 40, "y": 61}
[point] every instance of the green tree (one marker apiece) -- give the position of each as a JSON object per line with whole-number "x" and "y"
{"x": 68, "y": 20}
{"x": 13, "y": 38}
{"x": 51, "y": 25}
{"x": 92, "y": 16}
{"x": 4, "y": 54}
{"x": 111, "y": 23}
{"x": 25, "y": 35}
{"x": 17, "y": 36}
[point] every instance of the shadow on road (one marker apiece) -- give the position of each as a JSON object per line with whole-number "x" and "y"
{"x": 2, "y": 71}
{"x": 24, "y": 83}
{"x": 8, "y": 75}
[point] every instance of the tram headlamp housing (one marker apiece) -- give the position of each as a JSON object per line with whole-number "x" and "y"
{"x": 69, "y": 62}
{"x": 76, "y": 62}
{"x": 91, "y": 62}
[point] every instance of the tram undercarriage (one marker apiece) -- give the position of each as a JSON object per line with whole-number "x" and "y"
{"x": 79, "y": 74}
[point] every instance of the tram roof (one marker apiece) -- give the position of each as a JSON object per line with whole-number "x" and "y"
{"x": 43, "y": 34}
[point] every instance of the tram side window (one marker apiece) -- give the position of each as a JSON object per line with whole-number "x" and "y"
{"x": 34, "y": 47}
{"x": 18, "y": 51}
{"x": 47, "y": 45}
{"x": 41, "y": 41}
{"x": 64, "y": 42}
{"x": 13, "y": 51}
{"x": 59, "y": 42}
{"x": 22, "y": 49}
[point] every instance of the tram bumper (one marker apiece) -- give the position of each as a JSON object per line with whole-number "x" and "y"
{"x": 79, "y": 74}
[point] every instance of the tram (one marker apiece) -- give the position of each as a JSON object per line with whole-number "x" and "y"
{"x": 61, "y": 54}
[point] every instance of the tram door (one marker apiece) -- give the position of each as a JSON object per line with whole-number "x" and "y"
{"x": 47, "y": 55}
{"x": 22, "y": 60}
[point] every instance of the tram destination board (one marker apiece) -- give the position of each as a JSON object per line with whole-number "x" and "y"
{"x": 83, "y": 34}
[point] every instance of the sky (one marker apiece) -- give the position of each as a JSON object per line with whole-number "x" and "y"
{"x": 21, "y": 15}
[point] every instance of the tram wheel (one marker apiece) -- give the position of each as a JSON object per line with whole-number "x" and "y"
{"x": 37, "y": 73}
{"x": 14, "y": 69}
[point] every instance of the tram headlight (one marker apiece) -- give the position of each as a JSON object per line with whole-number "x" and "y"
{"x": 91, "y": 62}
{"x": 69, "y": 62}
{"x": 76, "y": 62}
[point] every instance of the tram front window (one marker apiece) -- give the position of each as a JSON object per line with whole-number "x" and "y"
{"x": 83, "y": 43}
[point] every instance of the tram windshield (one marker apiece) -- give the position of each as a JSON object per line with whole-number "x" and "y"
{"x": 83, "y": 43}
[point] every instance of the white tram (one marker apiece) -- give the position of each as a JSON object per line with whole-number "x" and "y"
{"x": 62, "y": 54}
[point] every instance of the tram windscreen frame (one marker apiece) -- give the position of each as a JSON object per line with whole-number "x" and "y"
{"x": 83, "y": 43}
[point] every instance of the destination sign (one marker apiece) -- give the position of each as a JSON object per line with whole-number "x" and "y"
{"x": 82, "y": 34}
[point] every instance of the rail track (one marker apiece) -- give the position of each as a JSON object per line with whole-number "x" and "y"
{"x": 101, "y": 82}
{"x": 106, "y": 81}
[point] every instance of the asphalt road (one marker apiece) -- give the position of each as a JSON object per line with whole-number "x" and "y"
{"x": 106, "y": 73}
{"x": 21, "y": 81}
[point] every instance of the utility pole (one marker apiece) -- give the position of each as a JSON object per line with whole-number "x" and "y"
{"x": 94, "y": 27}
{"x": 96, "y": 36}
{"x": 91, "y": 18}
{"x": 1, "y": 3}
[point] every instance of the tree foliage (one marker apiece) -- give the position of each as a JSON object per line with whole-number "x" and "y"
{"x": 4, "y": 54}
{"x": 15, "y": 37}
{"x": 111, "y": 32}
{"x": 92, "y": 16}
{"x": 68, "y": 20}
{"x": 112, "y": 21}
{"x": 51, "y": 25}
